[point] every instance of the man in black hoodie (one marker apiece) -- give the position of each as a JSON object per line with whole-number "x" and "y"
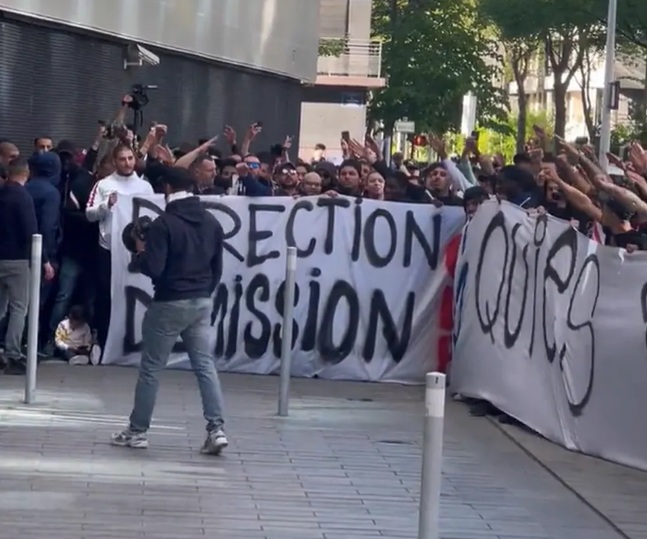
{"x": 182, "y": 255}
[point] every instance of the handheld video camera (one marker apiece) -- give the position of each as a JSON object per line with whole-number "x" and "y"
{"x": 139, "y": 93}
{"x": 136, "y": 230}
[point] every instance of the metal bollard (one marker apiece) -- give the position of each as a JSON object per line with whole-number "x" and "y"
{"x": 432, "y": 457}
{"x": 286, "y": 332}
{"x": 32, "y": 320}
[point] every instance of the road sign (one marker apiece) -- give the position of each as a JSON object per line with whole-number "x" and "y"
{"x": 405, "y": 127}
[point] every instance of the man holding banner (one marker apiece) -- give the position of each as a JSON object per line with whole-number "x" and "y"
{"x": 181, "y": 251}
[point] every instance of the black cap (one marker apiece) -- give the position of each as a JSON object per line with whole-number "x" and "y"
{"x": 66, "y": 146}
{"x": 284, "y": 166}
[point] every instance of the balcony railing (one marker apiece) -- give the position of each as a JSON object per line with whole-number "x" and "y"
{"x": 357, "y": 58}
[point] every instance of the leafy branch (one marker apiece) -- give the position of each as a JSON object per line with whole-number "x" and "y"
{"x": 332, "y": 47}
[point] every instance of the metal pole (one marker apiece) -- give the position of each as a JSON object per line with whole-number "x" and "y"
{"x": 286, "y": 333}
{"x": 32, "y": 320}
{"x": 432, "y": 457}
{"x": 609, "y": 77}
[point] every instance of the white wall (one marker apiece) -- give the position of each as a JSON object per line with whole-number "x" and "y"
{"x": 279, "y": 36}
{"x": 324, "y": 122}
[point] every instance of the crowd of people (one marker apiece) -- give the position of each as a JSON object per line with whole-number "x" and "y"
{"x": 66, "y": 194}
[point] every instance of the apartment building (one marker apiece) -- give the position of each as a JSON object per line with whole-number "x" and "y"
{"x": 337, "y": 100}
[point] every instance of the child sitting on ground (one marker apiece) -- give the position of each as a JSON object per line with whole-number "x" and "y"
{"x": 73, "y": 340}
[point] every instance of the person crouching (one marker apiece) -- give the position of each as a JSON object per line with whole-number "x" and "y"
{"x": 73, "y": 339}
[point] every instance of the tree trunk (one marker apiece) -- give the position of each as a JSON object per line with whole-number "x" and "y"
{"x": 587, "y": 108}
{"x": 522, "y": 120}
{"x": 520, "y": 60}
{"x": 559, "y": 96}
{"x": 585, "y": 89}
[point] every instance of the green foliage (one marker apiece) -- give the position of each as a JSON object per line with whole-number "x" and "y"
{"x": 621, "y": 135}
{"x": 520, "y": 19}
{"x": 631, "y": 23}
{"x": 433, "y": 56}
{"x": 332, "y": 47}
{"x": 502, "y": 138}
{"x": 635, "y": 129}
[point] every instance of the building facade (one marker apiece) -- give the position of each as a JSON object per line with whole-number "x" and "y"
{"x": 219, "y": 62}
{"x": 337, "y": 100}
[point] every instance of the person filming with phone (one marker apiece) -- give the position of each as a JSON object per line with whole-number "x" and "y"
{"x": 181, "y": 251}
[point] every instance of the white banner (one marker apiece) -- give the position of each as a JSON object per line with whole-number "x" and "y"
{"x": 369, "y": 278}
{"x": 550, "y": 328}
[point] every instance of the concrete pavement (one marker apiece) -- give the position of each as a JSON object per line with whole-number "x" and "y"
{"x": 344, "y": 465}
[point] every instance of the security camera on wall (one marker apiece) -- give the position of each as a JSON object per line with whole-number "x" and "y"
{"x": 138, "y": 56}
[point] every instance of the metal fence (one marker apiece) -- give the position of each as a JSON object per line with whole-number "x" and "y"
{"x": 358, "y": 58}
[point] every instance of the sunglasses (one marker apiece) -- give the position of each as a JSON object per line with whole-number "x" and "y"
{"x": 289, "y": 171}
{"x": 253, "y": 166}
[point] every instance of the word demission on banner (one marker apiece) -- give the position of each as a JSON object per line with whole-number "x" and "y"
{"x": 369, "y": 275}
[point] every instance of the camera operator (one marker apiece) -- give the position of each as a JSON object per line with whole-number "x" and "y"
{"x": 182, "y": 254}
{"x": 104, "y": 196}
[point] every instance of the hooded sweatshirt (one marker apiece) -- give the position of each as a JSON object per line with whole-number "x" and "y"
{"x": 45, "y": 175}
{"x": 184, "y": 248}
{"x": 97, "y": 208}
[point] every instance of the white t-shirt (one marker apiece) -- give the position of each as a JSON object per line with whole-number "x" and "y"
{"x": 98, "y": 210}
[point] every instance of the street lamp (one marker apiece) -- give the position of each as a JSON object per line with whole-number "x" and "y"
{"x": 609, "y": 87}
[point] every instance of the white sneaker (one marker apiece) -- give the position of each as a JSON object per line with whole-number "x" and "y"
{"x": 214, "y": 444}
{"x": 95, "y": 355}
{"x": 79, "y": 360}
{"x": 126, "y": 438}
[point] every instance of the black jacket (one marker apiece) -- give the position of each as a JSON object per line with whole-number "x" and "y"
{"x": 80, "y": 236}
{"x": 183, "y": 255}
{"x": 17, "y": 222}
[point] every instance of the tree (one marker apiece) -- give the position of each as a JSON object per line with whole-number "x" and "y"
{"x": 519, "y": 51}
{"x": 631, "y": 19}
{"x": 433, "y": 54}
{"x": 564, "y": 28}
{"x": 585, "y": 92}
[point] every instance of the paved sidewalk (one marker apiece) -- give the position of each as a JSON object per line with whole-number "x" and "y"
{"x": 344, "y": 465}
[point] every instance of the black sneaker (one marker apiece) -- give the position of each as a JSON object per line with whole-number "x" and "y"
{"x": 15, "y": 367}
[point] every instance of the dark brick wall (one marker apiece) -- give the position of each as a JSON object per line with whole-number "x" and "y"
{"x": 56, "y": 81}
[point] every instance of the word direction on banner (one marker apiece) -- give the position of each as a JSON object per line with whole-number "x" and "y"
{"x": 367, "y": 277}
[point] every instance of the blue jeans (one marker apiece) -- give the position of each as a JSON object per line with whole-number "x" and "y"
{"x": 69, "y": 276}
{"x": 163, "y": 323}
